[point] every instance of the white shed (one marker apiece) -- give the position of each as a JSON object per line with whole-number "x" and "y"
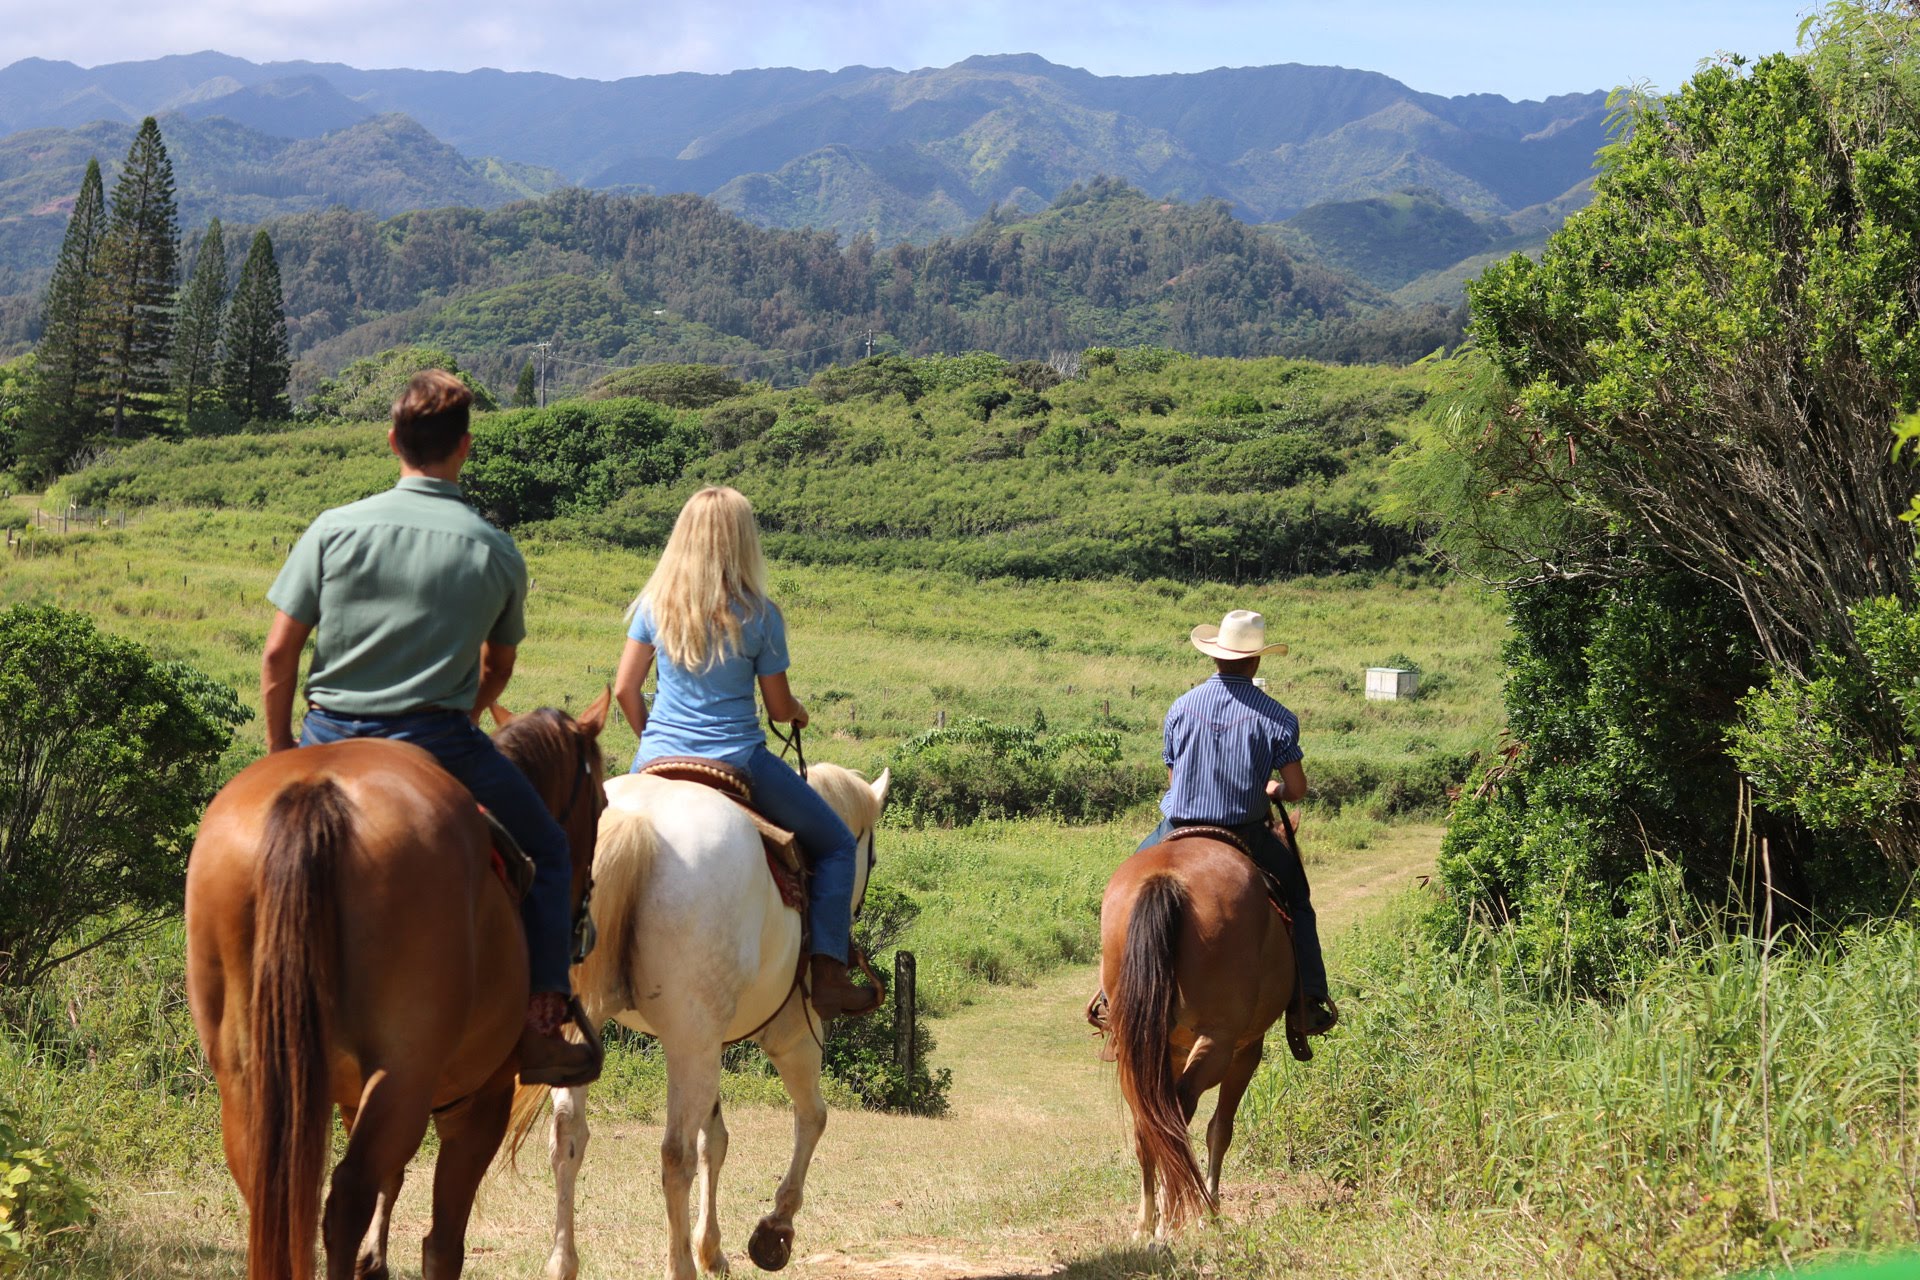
{"x": 1390, "y": 684}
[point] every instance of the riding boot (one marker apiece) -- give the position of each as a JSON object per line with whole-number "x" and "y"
{"x": 546, "y": 1058}
{"x": 834, "y": 995}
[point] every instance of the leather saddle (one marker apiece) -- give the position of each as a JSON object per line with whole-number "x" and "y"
{"x": 783, "y": 849}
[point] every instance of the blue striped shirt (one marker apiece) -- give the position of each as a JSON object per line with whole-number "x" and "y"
{"x": 1224, "y": 739}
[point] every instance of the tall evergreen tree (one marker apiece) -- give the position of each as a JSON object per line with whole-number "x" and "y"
{"x": 140, "y": 266}
{"x": 196, "y": 328}
{"x": 254, "y": 370}
{"x": 526, "y": 391}
{"x": 65, "y": 408}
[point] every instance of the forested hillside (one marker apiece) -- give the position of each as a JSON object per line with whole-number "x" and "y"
{"x": 613, "y": 281}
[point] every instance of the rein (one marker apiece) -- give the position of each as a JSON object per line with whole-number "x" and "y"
{"x": 790, "y": 742}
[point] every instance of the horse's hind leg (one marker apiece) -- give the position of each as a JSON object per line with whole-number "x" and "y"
{"x": 470, "y": 1136}
{"x": 372, "y": 1261}
{"x": 713, "y": 1154}
{"x": 693, "y": 1089}
{"x": 1220, "y": 1128}
{"x": 1147, "y": 1225}
{"x": 371, "y": 1264}
{"x": 392, "y": 1119}
{"x": 796, "y": 1056}
{"x": 566, "y": 1148}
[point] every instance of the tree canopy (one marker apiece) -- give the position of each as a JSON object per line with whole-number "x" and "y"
{"x": 1673, "y": 446}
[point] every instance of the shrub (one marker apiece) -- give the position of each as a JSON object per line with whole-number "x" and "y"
{"x": 945, "y": 373}
{"x": 982, "y": 401}
{"x": 39, "y": 1200}
{"x": 677, "y": 386}
{"x": 110, "y": 756}
{"x": 860, "y": 1051}
{"x": 976, "y": 769}
{"x": 1035, "y": 375}
{"x": 533, "y": 464}
{"x": 874, "y": 378}
{"x": 730, "y": 426}
{"x": 365, "y": 390}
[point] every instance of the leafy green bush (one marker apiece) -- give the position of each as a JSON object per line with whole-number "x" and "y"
{"x": 976, "y": 769}
{"x": 111, "y": 756}
{"x": 40, "y": 1200}
{"x": 677, "y": 386}
{"x": 874, "y": 378}
{"x": 533, "y": 464}
{"x": 365, "y": 390}
{"x": 860, "y": 1051}
{"x": 945, "y": 373}
{"x": 730, "y": 426}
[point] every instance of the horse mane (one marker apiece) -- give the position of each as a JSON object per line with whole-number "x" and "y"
{"x": 848, "y": 794}
{"x": 541, "y": 744}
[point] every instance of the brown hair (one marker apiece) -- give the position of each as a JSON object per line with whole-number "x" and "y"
{"x": 430, "y": 417}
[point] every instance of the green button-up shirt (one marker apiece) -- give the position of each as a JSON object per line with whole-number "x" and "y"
{"x": 402, "y": 589}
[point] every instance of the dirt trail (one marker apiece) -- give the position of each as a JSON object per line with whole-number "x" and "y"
{"x": 1030, "y": 1174}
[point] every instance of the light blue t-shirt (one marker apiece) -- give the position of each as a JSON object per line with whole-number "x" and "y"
{"x": 711, "y": 714}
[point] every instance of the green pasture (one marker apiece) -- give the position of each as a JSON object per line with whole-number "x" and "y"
{"x": 878, "y": 655}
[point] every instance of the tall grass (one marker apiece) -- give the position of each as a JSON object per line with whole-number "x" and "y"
{"x": 1741, "y": 1106}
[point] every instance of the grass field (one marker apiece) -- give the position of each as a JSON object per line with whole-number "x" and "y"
{"x": 878, "y": 655}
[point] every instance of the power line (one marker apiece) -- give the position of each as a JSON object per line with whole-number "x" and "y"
{"x": 736, "y": 364}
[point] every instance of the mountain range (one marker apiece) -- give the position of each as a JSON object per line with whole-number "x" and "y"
{"x": 897, "y": 154}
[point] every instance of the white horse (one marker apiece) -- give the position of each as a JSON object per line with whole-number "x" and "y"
{"x": 697, "y": 949}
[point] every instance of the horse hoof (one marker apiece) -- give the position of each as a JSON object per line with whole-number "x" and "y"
{"x": 770, "y": 1247}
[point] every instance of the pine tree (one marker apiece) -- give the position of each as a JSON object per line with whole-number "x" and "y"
{"x": 254, "y": 370}
{"x": 525, "y": 391}
{"x": 196, "y": 329}
{"x": 65, "y": 408}
{"x": 139, "y": 262}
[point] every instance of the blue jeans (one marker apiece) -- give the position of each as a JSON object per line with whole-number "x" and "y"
{"x": 783, "y": 795}
{"x": 1274, "y": 855}
{"x": 469, "y": 755}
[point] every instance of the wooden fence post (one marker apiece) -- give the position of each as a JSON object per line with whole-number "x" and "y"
{"x": 903, "y": 1003}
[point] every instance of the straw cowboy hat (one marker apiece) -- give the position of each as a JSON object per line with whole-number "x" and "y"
{"x": 1241, "y": 634}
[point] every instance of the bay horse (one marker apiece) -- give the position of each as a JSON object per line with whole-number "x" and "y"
{"x": 349, "y": 944}
{"x": 1197, "y": 965}
{"x": 698, "y": 949}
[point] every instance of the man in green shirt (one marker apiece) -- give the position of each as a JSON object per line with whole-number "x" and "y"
{"x": 417, "y": 606}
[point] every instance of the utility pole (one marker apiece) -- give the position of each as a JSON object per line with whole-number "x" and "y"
{"x": 869, "y": 344}
{"x": 542, "y": 348}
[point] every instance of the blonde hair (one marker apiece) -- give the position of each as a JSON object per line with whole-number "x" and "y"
{"x": 712, "y": 563}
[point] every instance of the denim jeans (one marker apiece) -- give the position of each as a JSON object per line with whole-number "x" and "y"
{"x": 783, "y": 795}
{"x": 1274, "y": 854}
{"x": 469, "y": 755}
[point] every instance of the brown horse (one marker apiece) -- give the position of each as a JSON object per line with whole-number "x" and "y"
{"x": 1197, "y": 965}
{"x": 349, "y": 944}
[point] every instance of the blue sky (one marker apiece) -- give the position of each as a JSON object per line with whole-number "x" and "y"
{"x": 1499, "y": 46}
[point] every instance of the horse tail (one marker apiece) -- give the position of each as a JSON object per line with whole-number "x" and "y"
{"x": 623, "y": 855}
{"x": 1141, "y": 1017}
{"x": 529, "y": 1100}
{"x": 295, "y": 949}
{"x": 622, "y": 859}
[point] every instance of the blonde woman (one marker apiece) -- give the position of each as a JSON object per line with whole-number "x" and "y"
{"x": 704, "y": 616}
